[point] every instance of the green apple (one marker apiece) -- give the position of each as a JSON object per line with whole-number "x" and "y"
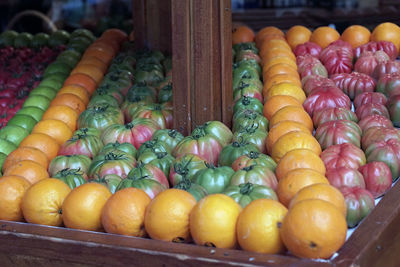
{"x": 13, "y": 133}
{"x": 6, "y": 147}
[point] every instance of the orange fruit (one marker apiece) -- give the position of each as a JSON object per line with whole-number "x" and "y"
{"x": 276, "y": 102}
{"x": 12, "y": 190}
{"x": 56, "y": 129}
{"x": 276, "y": 52}
{"x": 273, "y": 44}
{"x": 90, "y": 70}
{"x": 82, "y": 80}
{"x": 268, "y": 32}
{"x": 97, "y": 53}
{"x": 26, "y": 153}
{"x": 295, "y": 180}
{"x": 124, "y": 212}
{"x": 43, "y": 142}
{"x": 77, "y": 90}
{"x": 70, "y": 100}
{"x": 91, "y": 60}
{"x": 276, "y": 60}
{"x": 62, "y": 113}
{"x": 43, "y": 201}
{"x": 167, "y": 216}
{"x": 282, "y": 128}
{"x": 28, "y": 169}
{"x": 297, "y": 35}
{"x": 387, "y": 31}
{"x": 324, "y": 35}
{"x": 280, "y": 68}
{"x": 280, "y": 78}
{"x": 286, "y": 89}
{"x": 294, "y": 140}
{"x": 212, "y": 221}
{"x": 292, "y": 113}
{"x": 242, "y": 34}
{"x": 104, "y": 45}
{"x": 313, "y": 228}
{"x": 258, "y": 226}
{"x": 299, "y": 159}
{"x": 356, "y": 35}
{"x": 83, "y": 206}
{"x": 116, "y": 34}
{"x": 321, "y": 191}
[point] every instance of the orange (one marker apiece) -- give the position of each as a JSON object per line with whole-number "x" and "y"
{"x": 295, "y": 180}
{"x": 277, "y": 60}
{"x": 62, "y": 113}
{"x": 280, "y": 78}
{"x": 292, "y": 113}
{"x": 43, "y": 201}
{"x": 324, "y": 35}
{"x": 387, "y": 31}
{"x": 299, "y": 159}
{"x": 28, "y": 169}
{"x": 70, "y": 100}
{"x": 97, "y": 53}
{"x": 314, "y": 228}
{"x": 258, "y": 226}
{"x": 294, "y": 140}
{"x": 297, "y": 35}
{"x": 286, "y": 89}
{"x": 116, "y": 34}
{"x": 272, "y": 44}
{"x": 26, "y": 153}
{"x": 276, "y": 102}
{"x": 91, "y": 60}
{"x": 43, "y": 142}
{"x": 90, "y": 70}
{"x": 56, "y": 129}
{"x": 167, "y": 216}
{"x": 266, "y": 33}
{"x": 276, "y": 52}
{"x": 356, "y": 35}
{"x": 321, "y": 191}
{"x": 242, "y": 34}
{"x": 282, "y": 128}
{"x": 12, "y": 190}
{"x": 82, "y": 80}
{"x": 280, "y": 68}
{"x": 212, "y": 221}
{"x": 124, "y": 212}
{"x": 83, "y": 206}
{"x": 77, "y": 90}
{"x": 104, "y": 45}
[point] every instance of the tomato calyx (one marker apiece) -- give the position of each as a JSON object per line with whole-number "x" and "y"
{"x": 245, "y": 189}
{"x": 253, "y": 155}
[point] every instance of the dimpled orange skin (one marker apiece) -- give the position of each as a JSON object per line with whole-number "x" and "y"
{"x": 83, "y": 206}
{"x": 12, "y": 190}
{"x": 212, "y": 221}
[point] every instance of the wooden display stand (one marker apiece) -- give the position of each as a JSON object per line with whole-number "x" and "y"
{"x": 201, "y": 49}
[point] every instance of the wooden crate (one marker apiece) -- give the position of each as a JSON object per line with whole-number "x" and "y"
{"x": 201, "y": 46}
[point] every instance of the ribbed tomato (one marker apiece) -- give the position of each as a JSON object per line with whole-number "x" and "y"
{"x": 368, "y": 61}
{"x": 387, "y": 152}
{"x": 354, "y": 83}
{"x": 344, "y": 176}
{"x": 376, "y": 134}
{"x": 388, "y": 47}
{"x": 343, "y": 155}
{"x": 389, "y": 84}
{"x": 332, "y": 114}
{"x": 312, "y": 82}
{"x": 373, "y": 121}
{"x": 369, "y": 97}
{"x": 308, "y": 48}
{"x": 338, "y": 132}
{"x": 372, "y": 109}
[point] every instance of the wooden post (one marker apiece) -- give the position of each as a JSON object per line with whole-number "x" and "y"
{"x": 202, "y": 68}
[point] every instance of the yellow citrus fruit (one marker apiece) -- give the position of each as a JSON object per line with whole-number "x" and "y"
{"x": 12, "y": 190}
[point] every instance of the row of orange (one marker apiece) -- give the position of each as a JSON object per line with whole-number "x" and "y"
{"x": 356, "y": 35}
{"x": 302, "y": 184}
{"x": 28, "y": 164}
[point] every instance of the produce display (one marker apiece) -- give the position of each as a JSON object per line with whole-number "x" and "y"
{"x": 312, "y": 146}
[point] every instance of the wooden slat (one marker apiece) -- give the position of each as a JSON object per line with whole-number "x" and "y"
{"x": 182, "y": 65}
{"x": 139, "y": 23}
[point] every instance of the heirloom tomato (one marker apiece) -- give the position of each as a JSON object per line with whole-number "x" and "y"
{"x": 170, "y": 138}
{"x": 214, "y": 179}
{"x": 162, "y": 160}
{"x": 116, "y": 162}
{"x": 376, "y": 134}
{"x": 100, "y": 117}
{"x": 369, "y": 97}
{"x": 244, "y": 194}
{"x": 185, "y": 166}
{"x": 368, "y": 61}
{"x": 332, "y": 114}
{"x": 372, "y": 109}
{"x": 123, "y": 147}
{"x": 377, "y": 177}
{"x": 160, "y": 113}
{"x": 231, "y": 152}
{"x": 374, "y": 121}
{"x": 149, "y": 171}
{"x": 82, "y": 143}
{"x": 254, "y": 158}
{"x": 338, "y": 132}
{"x": 111, "y": 181}
{"x": 81, "y": 162}
{"x": 387, "y": 152}
{"x": 72, "y": 177}
{"x": 354, "y": 83}
{"x": 196, "y": 190}
{"x": 344, "y": 176}
{"x": 343, "y": 155}
{"x": 255, "y": 174}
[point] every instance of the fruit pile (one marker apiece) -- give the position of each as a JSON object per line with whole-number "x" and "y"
{"x": 312, "y": 143}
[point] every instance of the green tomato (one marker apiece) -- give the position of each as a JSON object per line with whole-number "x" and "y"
{"x": 110, "y": 180}
{"x": 231, "y": 152}
{"x": 170, "y": 138}
{"x": 214, "y": 179}
{"x": 244, "y": 194}
{"x": 196, "y": 190}
{"x": 162, "y": 160}
{"x": 251, "y": 103}
{"x": 72, "y": 177}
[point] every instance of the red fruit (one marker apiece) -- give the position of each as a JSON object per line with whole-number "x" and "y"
{"x": 354, "y": 83}
{"x": 377, "y": 177}
{"x": 371, "y": 109}
{"x": 338, "y": 132}
{"x": 359, "y": 204}
{"x": 374, "y": 121}
{"x": 308, "y": 48}
{"x": 392, "y": 66}
{"x": 376, "y": 134}
{"x": 309, "y": 65}
{"x": 368, "y": 61}
{"x": 387, "y": 152}
{"x": 388, "y": 47}
{"x": 326, "y": 97}
{"x": 389, "y": 84}
{"x": 369, "y": 97}
{"x": 332, "y": 114}
{"x": 337, "y": 57}
{"x": 343, "y": 155}
{"x": 314, "y": 81}
{"x": 345, "y": 177}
